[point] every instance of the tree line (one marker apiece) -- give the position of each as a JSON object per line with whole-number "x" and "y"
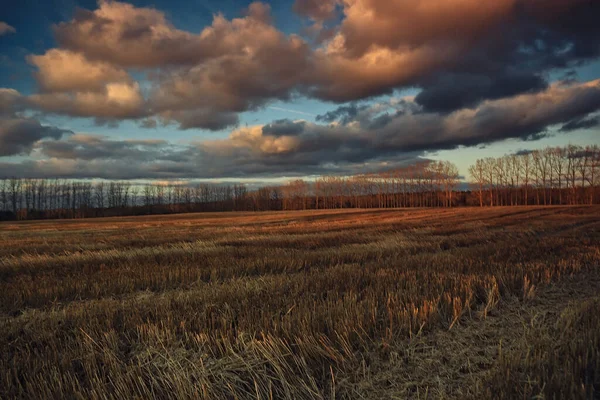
{"x": 552, "y": 176}
{"x": 564, "y": 175}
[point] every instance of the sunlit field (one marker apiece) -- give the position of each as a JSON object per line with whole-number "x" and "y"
{"x": 396, "y": 303}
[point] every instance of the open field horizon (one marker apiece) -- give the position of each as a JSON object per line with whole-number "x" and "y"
{"x": 226, "y": 216}
{"x": 355, "y": 303}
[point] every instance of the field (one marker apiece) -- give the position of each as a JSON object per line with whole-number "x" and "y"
{"x": 419, "y": 303}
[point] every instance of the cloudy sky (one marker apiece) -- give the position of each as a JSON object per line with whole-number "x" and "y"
{"x": 232, "y": 89}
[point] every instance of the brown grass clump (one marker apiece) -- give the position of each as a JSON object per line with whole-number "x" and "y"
{"x": 295, "y": 305}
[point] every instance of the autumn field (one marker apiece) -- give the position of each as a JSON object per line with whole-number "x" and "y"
{"x": 386, "y": 304}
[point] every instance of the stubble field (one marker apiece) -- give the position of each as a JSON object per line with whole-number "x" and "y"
{"x": 419, "y": 303}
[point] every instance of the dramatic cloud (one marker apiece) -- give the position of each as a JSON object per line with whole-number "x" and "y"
{"x": 499, "y": 48}
{"x": 129, "y": 36}
{"x": 352, "y": 141}
{"x": 356, "y": 135}
{"x": 6, "y": 28}
{"x": 197, "y": 80}
{"x": 460, "y": 52}
{"x": 481, "y": 72}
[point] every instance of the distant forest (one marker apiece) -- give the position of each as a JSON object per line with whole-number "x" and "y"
{"x": 552, "y": 176}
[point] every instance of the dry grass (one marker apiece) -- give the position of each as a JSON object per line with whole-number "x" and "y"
{"x": 282, "y": 305}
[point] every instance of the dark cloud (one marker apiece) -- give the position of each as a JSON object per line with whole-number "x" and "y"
{"x": 92, "y": 147}
{"x": 496, "y": 50}
{"x": 369, "y": 116}
{"x": 527, "y": 117}
{"x": 344, "y": 114}
{"x": 103, "y": 169}
{"x": 449, "y": 92}
{"x": 523, "y": 152}
{"x": 18, "y": 135}
{"x": 581, "y": 123}
{"x": 283, "y": 127}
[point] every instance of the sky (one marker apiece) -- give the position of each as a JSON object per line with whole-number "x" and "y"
{"x": 269, "y": 91}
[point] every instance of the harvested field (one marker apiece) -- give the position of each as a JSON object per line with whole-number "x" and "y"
{"x": 396, "y": 303}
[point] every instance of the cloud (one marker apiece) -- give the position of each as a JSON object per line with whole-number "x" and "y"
{"x": 64, "y": 71}
{"x": 92, "y": 147}
{"x": 581, "y": 123}
{"x": 505, "y": 46}
{"x": 103, "y": 169}
{"x": 125, "y": 35}
{"x": 210, "y": 94}
{"x": 351, "y": 141}
{"x": 354, "y": 134}
{"x": 521, "y": 116}
{"x": 453, "y": 91}
{"x": 369, "y": 116}
{"x": 129, "y": 36}
{"x": 11, "y": 101}
{"x": 458, "y": 52}
{"x": 196, "y": 80}
{"x": 253, "y": 140}
{"x": 73, "y": 85}
{"x": 481, "y": 73}
{"x": 318, "y": 10}
{"x": 6, "y": 28}
{"x": 18, "y": 135}
{"x": 116, "y": 100}
{"x": 283, "y": 127}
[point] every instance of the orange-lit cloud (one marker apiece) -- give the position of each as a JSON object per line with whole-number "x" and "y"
{"x": 63, "y": 70}
{"x": 115, "y": 100}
